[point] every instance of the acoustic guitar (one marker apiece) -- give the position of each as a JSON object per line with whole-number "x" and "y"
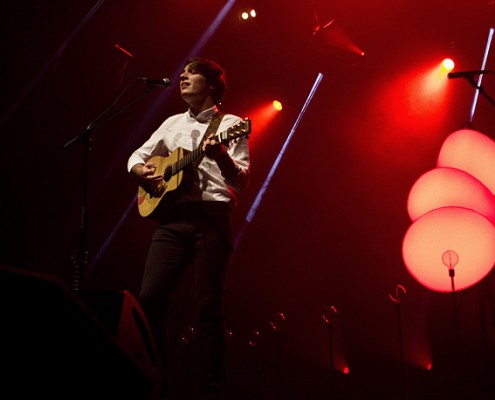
{"x": 172, "y": 168}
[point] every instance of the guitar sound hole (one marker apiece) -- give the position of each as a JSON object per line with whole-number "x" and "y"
{"x": 167, "y": 174}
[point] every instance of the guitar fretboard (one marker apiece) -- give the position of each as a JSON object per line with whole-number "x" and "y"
{"x": 187, "y": 159}
{"x": 240, "y": 129}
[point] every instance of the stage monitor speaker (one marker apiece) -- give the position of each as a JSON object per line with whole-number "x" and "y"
{"x": 122, "y": 316}
{"x": 52, "y": 343}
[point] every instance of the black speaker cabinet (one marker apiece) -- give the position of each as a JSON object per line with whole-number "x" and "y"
{"x": 59, "y": 345}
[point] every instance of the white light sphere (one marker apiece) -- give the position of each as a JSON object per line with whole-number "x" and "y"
{"x": 449, "y": 230}
{"x": 472, "y": 152}
{"x": 441, "y": 187}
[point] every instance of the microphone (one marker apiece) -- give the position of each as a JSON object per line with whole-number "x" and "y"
{"x": 467, "y": 74}
{"x": 165, "y": 82}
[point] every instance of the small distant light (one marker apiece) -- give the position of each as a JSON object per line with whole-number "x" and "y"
{"x": 277, "y": 105}
{"x": 346, "y": 370}
{"x": 429, "y": 366}
{"x": 247, "y": 14}
{"x": 448, "y": 64}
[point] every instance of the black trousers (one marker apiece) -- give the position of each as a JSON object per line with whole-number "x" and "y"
{"x": 196, "y": 235}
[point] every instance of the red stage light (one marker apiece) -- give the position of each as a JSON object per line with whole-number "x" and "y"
{"x": 277, "y": 105}
{"x": 448, "y": 64}
{"x": 262, "y": 116}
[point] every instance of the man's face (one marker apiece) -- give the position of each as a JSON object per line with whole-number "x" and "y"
{"x": 193, "y": 84}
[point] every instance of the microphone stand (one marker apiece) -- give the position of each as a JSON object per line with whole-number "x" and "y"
{"x": 469, "y": 77}
{"x": 254, "y": 386}
{"x": 396, "y": 299}
{"x": 332, "y": 374}
{"x": 276, "y": 325}
{"x": 80, "y": 259}
{"x": 328, "y": 316}
{"x": 450, "y": 259}
{"x": 472, "y": 82}
{"x": 456, "y": 375}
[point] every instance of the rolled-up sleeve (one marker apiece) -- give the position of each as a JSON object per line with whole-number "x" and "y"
{"x": 152, "y": 147}
{"x": 239, "y": 153}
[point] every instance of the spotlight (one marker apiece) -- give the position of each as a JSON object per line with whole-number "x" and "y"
{"x": 247, "y": 14}
{"x": 277, "y": 105}
{"x": 126, "y": 52}
{"x": 448, "y": 64}
{"x": 332, "y": 36}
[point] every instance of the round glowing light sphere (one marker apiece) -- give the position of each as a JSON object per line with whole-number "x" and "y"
{"x": 457, "y": 235}
{"x": 442, "y": 187}
{"x": 277, "y": 105}
{"x": 472, "y": 152}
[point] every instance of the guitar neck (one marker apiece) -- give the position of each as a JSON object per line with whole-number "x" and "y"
{"x": 240, "y": 129}
{"x": 188, "y": 159}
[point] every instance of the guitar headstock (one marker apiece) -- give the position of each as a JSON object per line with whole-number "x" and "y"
{"x": 242, "y": 128}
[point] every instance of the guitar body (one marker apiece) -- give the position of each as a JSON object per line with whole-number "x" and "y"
{"x": 148, "y": 205}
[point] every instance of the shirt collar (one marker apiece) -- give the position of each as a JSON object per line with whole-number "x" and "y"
{"x": 204, "y": 116}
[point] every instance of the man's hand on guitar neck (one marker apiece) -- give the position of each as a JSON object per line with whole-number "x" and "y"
{"x": 216, "y": 151}
{"x": 145, "y": 174}
{"x": 212, "y": 147}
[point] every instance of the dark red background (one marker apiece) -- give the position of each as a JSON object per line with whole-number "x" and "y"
{"x": 330, "y": 226}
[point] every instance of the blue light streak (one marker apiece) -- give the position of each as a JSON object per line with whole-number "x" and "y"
{"x": 480, "y": 78}
{"x": 259, "y": 197}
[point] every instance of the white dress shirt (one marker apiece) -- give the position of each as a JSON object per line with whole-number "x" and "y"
{"x": 186, "y": 131}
